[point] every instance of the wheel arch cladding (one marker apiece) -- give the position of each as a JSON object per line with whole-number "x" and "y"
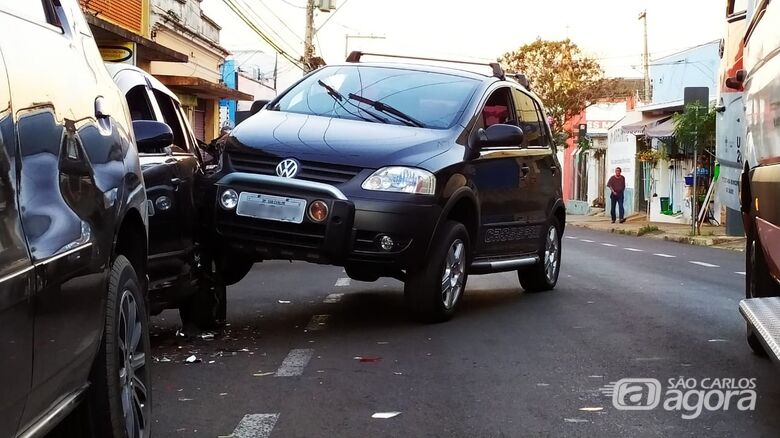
{"x": 560, "y": 214}
{"x": 131, "y": 242}
{"x": 464, "y": 210}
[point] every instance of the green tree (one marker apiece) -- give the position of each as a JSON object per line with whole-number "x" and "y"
{"x": 696, "y": 124}
{"x": 564, "y": 78}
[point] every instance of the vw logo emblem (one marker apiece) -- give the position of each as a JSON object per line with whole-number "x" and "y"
{"x": 287, "y": 168}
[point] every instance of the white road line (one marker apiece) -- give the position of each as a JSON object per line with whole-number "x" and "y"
{"x": 667, "y": 256}
{"x": 741, "y": 273}
{"x": 333, "y": 298}
{"x": 342, "y": 282}
{"x": 295, "y": 362}
{"x": 609, "y": 245}
{"x": 706, "y": 265}
{"x": 255, "y": 426}
{"x": 318, "y": 322}
{"x": 634, "y": 250}
{"x": 587, "y": 241}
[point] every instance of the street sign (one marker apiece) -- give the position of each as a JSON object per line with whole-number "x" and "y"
{"x": 123, "y": 53}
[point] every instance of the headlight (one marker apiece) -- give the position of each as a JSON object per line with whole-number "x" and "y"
{"x": 401, "y": 179}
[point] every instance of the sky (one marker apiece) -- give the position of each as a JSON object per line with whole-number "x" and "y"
{"x": 608, "y": 30}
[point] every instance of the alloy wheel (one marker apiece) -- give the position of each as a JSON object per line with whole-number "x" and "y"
{"x": 454, "y": 274}
{"x": 132, "y": 376}
{"x": 551, "y": 254}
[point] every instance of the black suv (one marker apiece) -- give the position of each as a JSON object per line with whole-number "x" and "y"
{"x": 421, "y": 173}
{"x": 73, "y": 232}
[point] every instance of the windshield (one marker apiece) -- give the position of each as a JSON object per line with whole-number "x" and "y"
{"x": 435, "y": 100}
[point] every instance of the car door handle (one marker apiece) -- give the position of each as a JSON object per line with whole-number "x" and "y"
{"x": 554, "y": 169}
{"x": 525, "y": 170}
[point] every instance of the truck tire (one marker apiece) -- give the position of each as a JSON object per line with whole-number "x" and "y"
{"x": 433, "y": 293}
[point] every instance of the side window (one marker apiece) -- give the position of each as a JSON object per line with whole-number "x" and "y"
{"x": 547, "y": 138}
{"x": 497, "y": 109}
{"x": 530, "y": 120}
{"x": 171, "y": 118}
{"x": 138, "y": 102}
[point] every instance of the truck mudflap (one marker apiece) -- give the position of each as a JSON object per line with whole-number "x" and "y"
{"x": 763, "y": 317}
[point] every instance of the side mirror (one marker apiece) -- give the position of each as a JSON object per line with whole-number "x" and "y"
{"x": 501, "y": 135}
{"x": 152, "y": 137}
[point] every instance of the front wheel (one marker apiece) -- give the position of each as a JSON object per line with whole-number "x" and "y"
{"x": 120, "y": 396}
{"x": 543, "y": 275}
{"x": 433, "y": 293}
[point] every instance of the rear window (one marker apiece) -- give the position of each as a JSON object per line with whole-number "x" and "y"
{"x": 436, "y": 100}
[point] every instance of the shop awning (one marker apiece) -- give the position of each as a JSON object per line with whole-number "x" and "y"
{"x": 203, "y": 88}
{"x": 641, "y": 127}
{"x": 147, "y": 50}
{"x": 662, "y": 130}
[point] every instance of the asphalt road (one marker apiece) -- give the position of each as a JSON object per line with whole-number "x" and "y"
{"x": 509, "y": 364}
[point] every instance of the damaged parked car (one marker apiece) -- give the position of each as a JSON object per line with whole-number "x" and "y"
{"x": 182, "y": 274}
{"x": 426, "y": 174}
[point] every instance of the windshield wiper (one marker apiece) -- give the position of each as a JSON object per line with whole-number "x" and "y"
{"x": 339, "y": 98}
{"x": 387, "y": 109}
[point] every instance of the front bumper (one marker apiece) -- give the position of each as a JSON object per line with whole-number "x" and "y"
{"x": 350, "y": 235}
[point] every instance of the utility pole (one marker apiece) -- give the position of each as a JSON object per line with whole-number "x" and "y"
{"x": 643, "y": 16}
{"x": 308, "y": 43}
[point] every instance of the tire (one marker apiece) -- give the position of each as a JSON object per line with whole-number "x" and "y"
{"x": 427, "y": 297}
{"x": 120, "y": 397}
{"x": 758, "y": 283}
{"x": 543, "y": 275}
{"x": 206, "y": 309}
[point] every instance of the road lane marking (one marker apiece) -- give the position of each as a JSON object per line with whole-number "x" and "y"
{"x": 667, "y": 256}
{"x": 609, "y": 245}
{"x": 706, "y": 265}
{"x": 318, "y": 322}
{"x": 295, "y": 362}
{"x": 255, "y": 426}
{"x": 342, "y": 282}
{"x": 333, "y": 298}
{"x": 587, "y": 241}
{"x": 741, "y": 273}
{"x": 634, "y": 250}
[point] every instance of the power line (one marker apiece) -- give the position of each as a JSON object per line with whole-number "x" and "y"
{"x": 257, "y": 17}
{"x": 281, "y": 21}
{"x": 237, "y": 10}
{"x": 292, "y": 5}
{"x": 331, "y": 16}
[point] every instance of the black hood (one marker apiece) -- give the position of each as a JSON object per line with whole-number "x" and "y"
{"x": 339, "y": 141}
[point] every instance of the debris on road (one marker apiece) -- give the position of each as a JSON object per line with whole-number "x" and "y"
{"x": 261, "y": 374}
{"x": 385, "y": 415}
{"x": 591, "y": 409}
{"x": 192, "y": 359}
{"x": 285, "y": 302}
{"x": 576, "y": 420}
{"x": 367, "y": 359}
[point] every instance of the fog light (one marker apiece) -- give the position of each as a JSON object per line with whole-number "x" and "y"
{"x": 318, "y": 211}
{"x": 163, "y": 203}
{"x": 229, "y": 199}
{"x": 386, "y": 242}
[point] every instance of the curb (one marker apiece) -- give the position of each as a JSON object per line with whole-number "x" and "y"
{"x": 659, "y": 235}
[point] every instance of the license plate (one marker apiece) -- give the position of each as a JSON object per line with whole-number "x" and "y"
{"x": 274, "y": 208}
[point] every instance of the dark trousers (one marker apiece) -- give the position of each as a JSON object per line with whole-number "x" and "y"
{"x": 617, "y": 200}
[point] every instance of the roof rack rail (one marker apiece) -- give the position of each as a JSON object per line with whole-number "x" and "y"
{"x": 498, "y": 72}
{"x": 521, "y": 79}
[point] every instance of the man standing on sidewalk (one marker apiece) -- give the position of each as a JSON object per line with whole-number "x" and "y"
{"x": 617, "y": 183}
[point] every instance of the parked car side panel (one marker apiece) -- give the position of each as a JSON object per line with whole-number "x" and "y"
{"x": 77, "y": 178}
{"x": 16, "y": 279}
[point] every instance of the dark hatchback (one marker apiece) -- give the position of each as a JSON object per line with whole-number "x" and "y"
{"x": 421, "y": 173}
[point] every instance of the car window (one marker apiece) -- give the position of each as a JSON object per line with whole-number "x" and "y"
{"x": 42, "y": 11}
{"x": 530, "y": 120}
{"x": 138, "y": 102}
{"x": 169, "y": 110}
{"x": 434, "y": 99}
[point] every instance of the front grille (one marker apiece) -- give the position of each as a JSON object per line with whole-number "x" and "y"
{"x": 309, "y": 170}
{"x": 303, "y": 236}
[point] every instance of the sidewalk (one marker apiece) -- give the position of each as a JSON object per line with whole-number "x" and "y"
{"x": 638, "y": 225}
